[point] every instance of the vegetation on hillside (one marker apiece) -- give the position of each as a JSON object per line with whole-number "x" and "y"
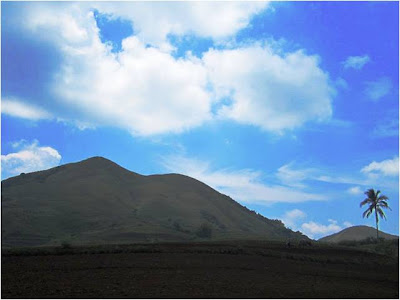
{"x": 381, "y": 246}
{"x": 96, "y": 201}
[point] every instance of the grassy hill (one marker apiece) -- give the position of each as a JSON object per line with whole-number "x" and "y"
{"x": 96, "y": 201}
{"x": 356, "y": 233}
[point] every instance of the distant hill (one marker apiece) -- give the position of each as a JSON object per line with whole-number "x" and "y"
{"x": 96, "y": 201}
{"x": 356, "y": 233}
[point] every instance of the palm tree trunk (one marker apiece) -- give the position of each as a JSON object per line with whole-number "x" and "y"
{"x": 377, "y": 230}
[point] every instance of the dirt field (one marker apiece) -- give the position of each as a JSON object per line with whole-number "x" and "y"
{"x": 201, "y": 271}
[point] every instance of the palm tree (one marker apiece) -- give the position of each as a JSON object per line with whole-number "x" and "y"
{"x": 376, "y": 202}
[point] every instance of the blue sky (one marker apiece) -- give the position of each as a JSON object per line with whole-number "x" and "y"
{"x": 290, "y": 108}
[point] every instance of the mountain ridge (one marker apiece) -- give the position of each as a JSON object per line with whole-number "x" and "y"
{"x": 98, "y": 201}
{"x": 356, "y": 233}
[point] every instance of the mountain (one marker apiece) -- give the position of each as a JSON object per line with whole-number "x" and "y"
{"x": 356, "y": 233}
{"x": 96, "y": 201}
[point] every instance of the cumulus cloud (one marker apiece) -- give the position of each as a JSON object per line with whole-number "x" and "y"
{"x": 18, "y": 144}
{"x": 292, "y": 217}
{"x": 378, "y": 89}
{"x": 341, "y": 83}
{"x": 388, "y": 167}
{"x": 141, "y": 89}
{"x": 275, "y": 92}
{"x": 19, "y": 109}
{"x": 150, "y": 92}
{"x": 29, "y": 158}
{"x": 347, "y": 224}
{"x": 154, "y": 21}
{"x": 356, "y": 62}
{"x": 147, "y": 91}
{"x": 314, "y": 229}
{"x": 242, "y": 185}
{"x": 355, "y": 190}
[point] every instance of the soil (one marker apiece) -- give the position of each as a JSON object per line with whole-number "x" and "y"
{"x": 202, "y": 271}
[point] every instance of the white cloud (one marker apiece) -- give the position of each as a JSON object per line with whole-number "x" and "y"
{"x": 155, "y": 20}
{"x": 290, "y": 218}
{"x": 356, "y": 62}
{"x": 341, "y": 83}
{"x": 388, "y": 167}
{"x": 292, "y": 177}
{"x": 30, "y": 158}
{"x": 376, "y": 90}
{"x": 141, "y": 89}
{"x": 147, "y": 91}
{"x": 152, "y": 21}
{"x": 355, "y": 190}
{"x": 18, "y": 144}
{"x": 374, "y": 173}
{"x": 16, "y": 108}
{"x": 347, "y": 224}
{"x": 313, "y": 229}
{"x": 150, "y": 92}
{"x": 387, "y": 128}
{"x": 242, "y": 185}
{"x": 275, "y": 92}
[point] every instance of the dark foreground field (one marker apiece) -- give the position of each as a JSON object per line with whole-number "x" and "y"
{"x": 202, "y": 270}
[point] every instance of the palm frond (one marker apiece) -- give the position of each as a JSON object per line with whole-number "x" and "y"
{"x": 384, "y": 204}
{"x": 376, "y": 203}
{"x": 365, "y": 201}
{"x": 368, "y": 212}
{"x": 383, "y": 197}
{"x": 381, "y": 213}
{"x": 371, "y": 194}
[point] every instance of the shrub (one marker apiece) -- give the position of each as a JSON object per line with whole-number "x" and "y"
{"x": 177, "y": 226}
{"x": 204, "y": 231}
{"x": 66, "y": 245}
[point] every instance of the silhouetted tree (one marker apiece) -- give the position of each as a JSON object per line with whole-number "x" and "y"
{"x": 376, "y": 202}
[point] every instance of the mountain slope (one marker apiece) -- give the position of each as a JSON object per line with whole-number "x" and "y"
{"x": 97, "y": 201}
{"x": 356, "y": 233}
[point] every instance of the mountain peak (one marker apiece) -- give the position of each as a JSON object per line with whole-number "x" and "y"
{"x": 98, "y": 162}
{"x": 356, "y": 233}
{"x": 96, "y": 159}
{"x": 98, "y": 201}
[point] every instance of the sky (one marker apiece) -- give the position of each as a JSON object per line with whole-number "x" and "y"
{"x": 290, "y": 108}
